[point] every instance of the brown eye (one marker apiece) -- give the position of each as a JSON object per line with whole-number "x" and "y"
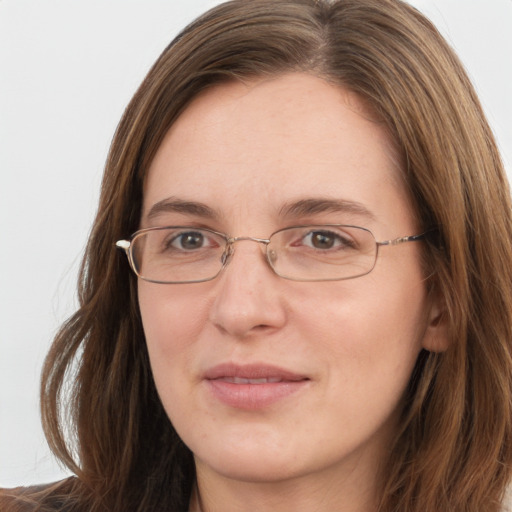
{"x": 327, "y": 240}
{"x": 189, "y": 241}
{"x": 321, "y": 240}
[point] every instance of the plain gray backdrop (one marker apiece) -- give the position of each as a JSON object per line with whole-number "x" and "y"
{"x": 67, "y": 70}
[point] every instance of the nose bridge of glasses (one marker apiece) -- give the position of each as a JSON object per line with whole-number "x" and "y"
{"x": 234, "y": 239}
{"x": 229, "y": 250}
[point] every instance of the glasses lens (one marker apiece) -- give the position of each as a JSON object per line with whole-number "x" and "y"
{"x": 322, "y": 253}
{"x": 177, "y": 254}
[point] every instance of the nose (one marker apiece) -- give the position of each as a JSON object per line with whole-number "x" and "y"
{"x": 248, "y": 298}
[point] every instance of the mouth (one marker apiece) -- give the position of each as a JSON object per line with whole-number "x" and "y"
{"x": 252, "y": 387}
{"x": 241, "y": 380}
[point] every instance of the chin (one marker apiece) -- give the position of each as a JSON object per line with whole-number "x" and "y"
{"x": 252, "y": 454}
{"x": 255, "y": 467}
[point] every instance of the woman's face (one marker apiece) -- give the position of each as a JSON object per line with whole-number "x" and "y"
{"x": 265, "y": 378}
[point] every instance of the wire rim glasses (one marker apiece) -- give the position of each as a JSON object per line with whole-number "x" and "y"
{"x": 185, "y": 254}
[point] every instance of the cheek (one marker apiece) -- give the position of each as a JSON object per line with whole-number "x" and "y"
{"x": 170, "y": 326}
{"x": 369, "y": 348}
{"x": 366, "y": 333}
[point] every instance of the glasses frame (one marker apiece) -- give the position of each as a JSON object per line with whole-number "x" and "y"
{"x": 127, "y": 245}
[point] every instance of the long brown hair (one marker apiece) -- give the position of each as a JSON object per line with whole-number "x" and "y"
{"x": 100, "y": 408}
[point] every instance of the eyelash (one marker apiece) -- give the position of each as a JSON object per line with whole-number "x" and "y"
{"x": 340, "y": 241}
{"x": 312, "y": 239}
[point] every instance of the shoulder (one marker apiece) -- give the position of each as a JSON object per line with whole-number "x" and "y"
{"x": 41, "y": 498}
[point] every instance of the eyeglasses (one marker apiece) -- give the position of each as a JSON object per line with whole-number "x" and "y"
{"x": 184, "y": 254}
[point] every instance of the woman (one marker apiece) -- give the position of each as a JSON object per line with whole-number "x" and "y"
{"x": 318, "y": 311}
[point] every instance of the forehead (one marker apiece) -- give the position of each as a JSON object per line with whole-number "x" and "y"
{"x": 278, "y": 139}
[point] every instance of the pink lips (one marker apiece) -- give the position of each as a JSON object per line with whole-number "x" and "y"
{"x": 253, "y": 386}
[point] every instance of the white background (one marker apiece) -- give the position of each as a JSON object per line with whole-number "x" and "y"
{"x": 67, "y": 70}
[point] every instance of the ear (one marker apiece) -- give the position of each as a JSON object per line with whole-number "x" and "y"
{"x": 436, "y": 337}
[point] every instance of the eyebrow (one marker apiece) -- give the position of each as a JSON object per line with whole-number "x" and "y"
{"x": 303, "y": 207}
{"x": 175, "y": 205}
{"x": 313, "y": 206}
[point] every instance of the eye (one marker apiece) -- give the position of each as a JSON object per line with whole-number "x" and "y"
{"x": 190, "y": 241}
{"x": 325, "y": 240}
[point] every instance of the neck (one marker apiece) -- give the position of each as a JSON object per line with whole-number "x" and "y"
{"x": 222, "y": 494}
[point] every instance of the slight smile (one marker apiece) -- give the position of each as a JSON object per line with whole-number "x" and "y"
{"x": 252, "y": 387}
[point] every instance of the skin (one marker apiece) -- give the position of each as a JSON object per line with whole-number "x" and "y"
{"x": 245, "y": 151}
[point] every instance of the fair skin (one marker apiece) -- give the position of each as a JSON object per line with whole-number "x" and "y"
{"x": 246, "y": 151}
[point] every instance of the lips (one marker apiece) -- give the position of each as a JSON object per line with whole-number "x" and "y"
{"x": 241, "y": 380}
{"x": 254, "y": 386}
